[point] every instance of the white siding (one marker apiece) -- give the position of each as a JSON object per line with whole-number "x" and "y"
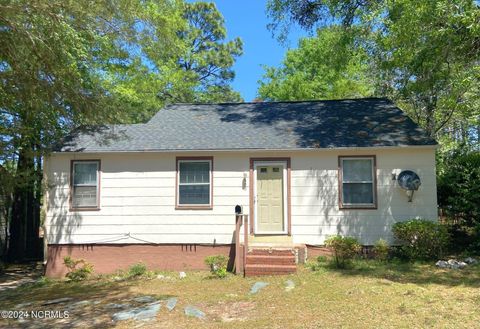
{"x": 137, "y": 198}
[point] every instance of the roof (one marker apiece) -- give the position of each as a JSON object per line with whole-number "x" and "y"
{"x": 368, "y": 122}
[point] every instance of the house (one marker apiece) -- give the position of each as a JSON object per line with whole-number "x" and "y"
{"x": 164, "y": 192}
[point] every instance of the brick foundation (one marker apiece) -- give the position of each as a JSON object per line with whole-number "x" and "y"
{"x": 314, "y": 251}
{"x": 107, "y": 258}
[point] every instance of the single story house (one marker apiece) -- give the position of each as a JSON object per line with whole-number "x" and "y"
{"x": 164, "y": 192}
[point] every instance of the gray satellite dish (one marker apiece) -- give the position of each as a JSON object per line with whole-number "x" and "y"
{"x": 409, "y": 181}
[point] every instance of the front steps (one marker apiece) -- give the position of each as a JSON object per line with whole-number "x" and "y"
{"x": 270, "y": 261}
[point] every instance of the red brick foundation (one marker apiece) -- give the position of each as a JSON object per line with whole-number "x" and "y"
{"x": 107, "y": 258}
{"x": 314, "y": 251}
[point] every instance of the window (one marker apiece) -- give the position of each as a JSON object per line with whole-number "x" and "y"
{"x": 357, "y": 182}
{"x": 85, "y": 178}
{"x": 194, "y": 186}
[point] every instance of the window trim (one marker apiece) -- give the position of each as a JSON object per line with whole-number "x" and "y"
{"x": 99, "y": 175}
{"x": 366, "y": 206}
{"x": 179, "y": 206}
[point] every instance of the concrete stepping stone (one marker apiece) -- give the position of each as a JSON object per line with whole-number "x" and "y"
{"x": 193, "y": 311}
{"x": 145, "y": 299}
{"x": 289, "y": 285}
{"x": 114, "y": 306}
{"x": 171, "y": 303}
{"x": 257, "y": 286}
{"x": 144, "y": 313}
{"x": 57, "y": 301}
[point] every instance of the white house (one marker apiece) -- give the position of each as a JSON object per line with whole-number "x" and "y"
{"x": 164, "y": 192}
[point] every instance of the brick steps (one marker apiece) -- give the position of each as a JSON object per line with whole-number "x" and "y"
{"x": 261, "y": 261}
{"x": 270, "y": 260}
{"x": 262, "y": 269}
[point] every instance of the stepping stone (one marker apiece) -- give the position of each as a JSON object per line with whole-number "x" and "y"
{"x": 114, "y": 306}
{"x": 171, "y": 303}
{"x": 57, "y": 301}
{"x": 289, "y": 285}
{"x": 145, "y": 299}
{"x": 257, "y": 286}
{"x": 193, "y": 311}
{"x": 143, "y": 313}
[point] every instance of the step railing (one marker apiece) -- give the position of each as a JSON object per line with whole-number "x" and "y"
{"x": 241, "y": 254}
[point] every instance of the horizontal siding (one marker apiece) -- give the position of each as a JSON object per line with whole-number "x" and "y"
{"x": 138, "y": 199}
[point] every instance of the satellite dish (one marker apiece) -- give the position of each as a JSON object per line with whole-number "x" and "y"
{"x": 409, "y": 181}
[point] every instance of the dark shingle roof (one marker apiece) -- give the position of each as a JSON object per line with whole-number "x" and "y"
{"x": 267, "y": 125}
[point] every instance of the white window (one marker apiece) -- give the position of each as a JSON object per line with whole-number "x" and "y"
{"x": 85, "y": 177}
{"x": 194, "y": 183}
{"x": 357, "y": 182}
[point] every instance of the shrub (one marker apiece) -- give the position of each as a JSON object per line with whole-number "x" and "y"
{"x": 2, "y": 267}
{"x": 137, "y": 270}
{"x": 218, "y": 265}
{"x": 380, "y": 250}
{"x": 344, "y": 249}
{"x": 421, "y": 239}
{"x": 78, "y": 269}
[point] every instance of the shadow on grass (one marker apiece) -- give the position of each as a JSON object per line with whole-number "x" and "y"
{"x": 406, "y": 272}
{"x": 92, "y": 303}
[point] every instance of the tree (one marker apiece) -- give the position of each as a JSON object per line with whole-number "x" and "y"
{"x": 328, "y": 66}
{"x": 424, "y": 54}
{"x": 197, "y": 67}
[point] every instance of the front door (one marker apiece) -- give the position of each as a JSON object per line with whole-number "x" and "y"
{"x": 270, "y": 199}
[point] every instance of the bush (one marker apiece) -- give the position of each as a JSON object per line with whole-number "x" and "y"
{"x": 137, "y": 270}
{"x": 218, "y": 265}
{"x": 2, "y": 267}
{"x": 344, "y": 249}
{"x": 421, "y": 239}
{"x": 380, "y": 250}
{"x": 78, "y": 269}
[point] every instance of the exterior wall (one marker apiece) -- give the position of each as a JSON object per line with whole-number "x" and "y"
{"x": 137, "y": 198}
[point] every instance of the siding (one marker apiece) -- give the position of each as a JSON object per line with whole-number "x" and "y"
{"x": 138, "y": 198}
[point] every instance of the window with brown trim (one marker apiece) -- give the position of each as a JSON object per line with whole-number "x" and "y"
{"x": 85, "y": 182}
{"x": 194, "y": 182}
{"x": 357, "y": 182}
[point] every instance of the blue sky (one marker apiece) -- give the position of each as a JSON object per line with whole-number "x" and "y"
{"x": 247, "y": 19}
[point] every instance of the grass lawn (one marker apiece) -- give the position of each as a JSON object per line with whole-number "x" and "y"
{"x": 369, "y": 294}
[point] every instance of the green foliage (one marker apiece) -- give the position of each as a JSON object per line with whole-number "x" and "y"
{"x": 78, "y": 269}
{"x": 421, "y": 239}
{"x": 380, "y": 250}
{"x": 344, "y": 249}
{"x": 328, "y": 66}
{"x": 218, "y": 265}
{"x": 424, "y": 55}
{"x": 136, "y": 270}
{"x": 459, "y": 187}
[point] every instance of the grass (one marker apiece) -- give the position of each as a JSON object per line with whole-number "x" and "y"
{"x": 368, "y": 294}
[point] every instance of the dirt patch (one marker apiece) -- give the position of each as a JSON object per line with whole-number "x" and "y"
{"x": 232, "y": 311}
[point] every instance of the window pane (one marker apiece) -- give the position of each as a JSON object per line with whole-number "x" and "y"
{"x": 357, "y": 193}
{"x": 85, "y": 174}
{"x": 194, "y": 194}
{"x": 355, "y": 170}
{"x": 194, "y": 172}
{"x": 84, "y": 196}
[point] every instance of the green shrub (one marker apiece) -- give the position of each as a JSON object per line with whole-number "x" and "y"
{"x": 344, "y": 249}
{"x": 218, "y": 265}
{"x": 2, "y": 267}
{"x": 421, "y": 239}
{"x": 137, "y": 270}
{"x": 380, "y": 250}
{"x": 78, "y": 269}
